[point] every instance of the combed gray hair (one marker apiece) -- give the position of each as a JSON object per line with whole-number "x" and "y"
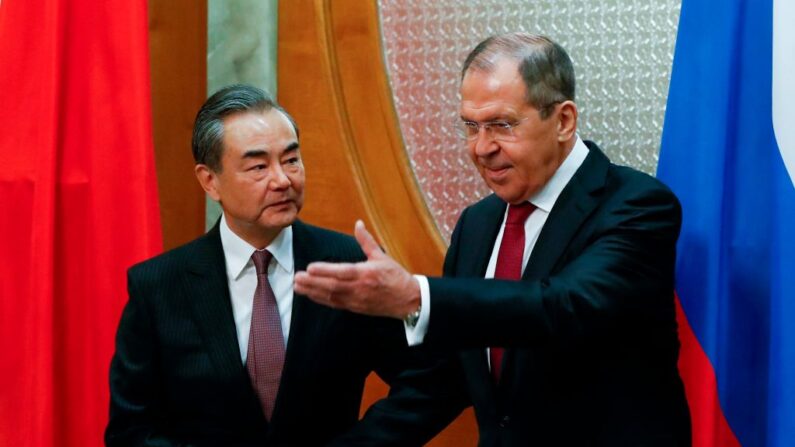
{"x": 546, "y": 69}
{"x": 208, "y": 128}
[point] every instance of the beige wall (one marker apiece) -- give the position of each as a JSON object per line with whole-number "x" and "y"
{"x": 241, "y": 48}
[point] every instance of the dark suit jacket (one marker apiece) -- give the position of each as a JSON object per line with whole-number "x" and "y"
{"x": 177, "y": 378}
{"x": 590, "y": 330}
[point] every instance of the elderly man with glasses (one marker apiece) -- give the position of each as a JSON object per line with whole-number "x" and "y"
{"x": 558, "y": 288}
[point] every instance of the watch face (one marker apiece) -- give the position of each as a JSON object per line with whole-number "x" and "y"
{"x": 412, "y": 318}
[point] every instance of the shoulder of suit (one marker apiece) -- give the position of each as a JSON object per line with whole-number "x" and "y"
{"x": 177, "y": 258}
{"x": 625, "y": 177}
{"x": 303, "y": 229}
{"x": 337, "y": 244}
{"x": 628, "y": 187}
{"x": 635, "y": 180}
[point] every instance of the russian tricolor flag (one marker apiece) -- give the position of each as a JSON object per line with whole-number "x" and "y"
{"x": 728, "y": 152}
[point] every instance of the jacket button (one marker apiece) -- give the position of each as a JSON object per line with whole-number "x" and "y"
{"x": 505, "y": 421}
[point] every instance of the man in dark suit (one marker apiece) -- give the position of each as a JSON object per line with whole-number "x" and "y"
{"x": 214, "y": 348}
{"x": 557, "y": 288}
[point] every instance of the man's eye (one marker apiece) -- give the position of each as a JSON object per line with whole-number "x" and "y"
{"x": 258, "y": 167}
{"x": 502, "y": 125}
{"x": 293, "y": 161}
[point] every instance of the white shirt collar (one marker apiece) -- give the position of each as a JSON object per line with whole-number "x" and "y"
{"x": 238, "y": 252}
{"x": 545, "y": 198}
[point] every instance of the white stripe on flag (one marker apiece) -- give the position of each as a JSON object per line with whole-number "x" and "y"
{"x": 784, "y": 81}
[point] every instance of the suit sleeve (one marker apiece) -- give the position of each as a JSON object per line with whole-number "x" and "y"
{"x": 622, "y": 271}
{"x": 134, "y": 410}
{"x": 427, "y": 392}
{"x": 426, "y": 388}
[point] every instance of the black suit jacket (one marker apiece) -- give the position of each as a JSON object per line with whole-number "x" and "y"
{"x": 590, "y": 330}
{"x": 177, "y": 378}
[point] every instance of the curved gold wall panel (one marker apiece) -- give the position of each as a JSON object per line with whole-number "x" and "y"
{"x": 332, "y": 79}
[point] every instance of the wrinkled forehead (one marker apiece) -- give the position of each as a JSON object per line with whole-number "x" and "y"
{"x": 249, "y": 123}
{"x": 504, "y": 72}
{"x": 500, "y": 87}
{"x": 267, "y": 132}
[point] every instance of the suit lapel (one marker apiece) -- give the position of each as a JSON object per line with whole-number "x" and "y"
{"x": 480, "y": 237}
{"x": 307, "y": 323}
{"x": 208, "y": 292}
{"x": 305, "y": 250}
{"x": 576, "y": 202}
{"x": 206, "y": 283}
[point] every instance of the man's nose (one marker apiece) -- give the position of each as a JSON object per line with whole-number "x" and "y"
{"x": 484, "y": 142}
{"x": 278, "y": 179}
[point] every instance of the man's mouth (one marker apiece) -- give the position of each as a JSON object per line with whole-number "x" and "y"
{"x": 280, "y": 203}
{"x": 496, "y": 172}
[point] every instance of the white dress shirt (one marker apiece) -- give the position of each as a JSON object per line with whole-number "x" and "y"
{"x": 543, "y": 200}
{"x": 241, "y": 275}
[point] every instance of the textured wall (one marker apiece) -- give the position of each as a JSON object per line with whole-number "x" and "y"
{"x": 622, "y": 52}
{"x": 241, "y": 48}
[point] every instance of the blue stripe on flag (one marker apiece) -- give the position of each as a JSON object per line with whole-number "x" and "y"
{"x": 736, "y": 266}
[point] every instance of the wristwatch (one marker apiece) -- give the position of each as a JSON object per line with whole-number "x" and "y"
{"x": 412, "y": 318}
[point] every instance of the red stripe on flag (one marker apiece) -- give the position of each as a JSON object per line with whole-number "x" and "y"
{"x": 710, "y": 428}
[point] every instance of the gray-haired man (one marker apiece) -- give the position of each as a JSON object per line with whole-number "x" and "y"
{"x": 557, "y": 288}
{"x": 215, "y": 349}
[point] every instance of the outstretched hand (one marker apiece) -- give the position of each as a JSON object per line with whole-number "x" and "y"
{"x": 379, "y": 286}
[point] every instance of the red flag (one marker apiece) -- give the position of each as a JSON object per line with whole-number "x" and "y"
{"x": 78, "y": 205}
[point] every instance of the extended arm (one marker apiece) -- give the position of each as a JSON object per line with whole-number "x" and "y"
{"x": 623, "y": 269}
{"x": 427, "y": 392}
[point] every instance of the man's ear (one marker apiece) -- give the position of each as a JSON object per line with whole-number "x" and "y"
{"x": 208, "y": 179}
{"x": 567, "y": 124}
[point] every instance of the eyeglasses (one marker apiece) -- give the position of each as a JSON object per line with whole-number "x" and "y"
{"x": 495, "y": 130}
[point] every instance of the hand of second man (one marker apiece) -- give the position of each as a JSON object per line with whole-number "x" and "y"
{"x": 379, "y": 286}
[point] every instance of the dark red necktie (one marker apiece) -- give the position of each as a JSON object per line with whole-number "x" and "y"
{"x": 265, "y": 357}
{"x": 509, "y": 263}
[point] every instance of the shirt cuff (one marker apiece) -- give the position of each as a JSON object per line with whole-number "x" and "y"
{"x": 415, "y": 335}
